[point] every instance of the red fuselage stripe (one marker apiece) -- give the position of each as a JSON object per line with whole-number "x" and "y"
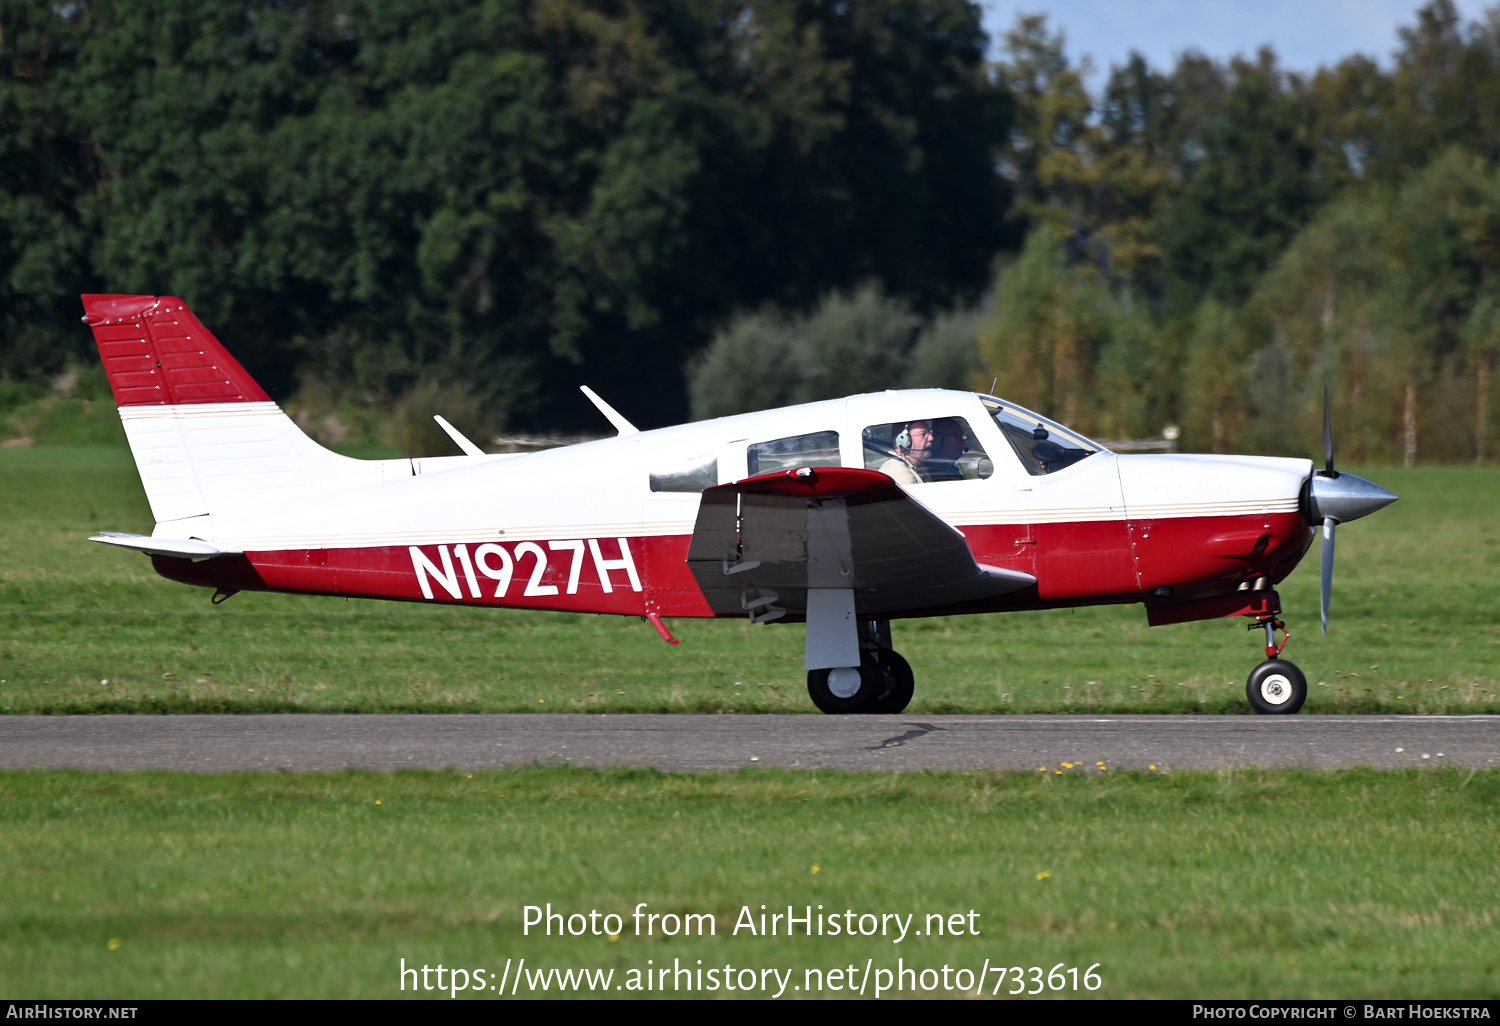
{"x": 1075, "y": 563}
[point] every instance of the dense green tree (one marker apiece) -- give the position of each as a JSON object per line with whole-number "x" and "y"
{"x": 1255, "y": 188}
{"x": 1090, "y": 173}
{"x": 1446, "y": 87}
{"x": 510, "y": 196}
{"x": 858, "y": 340}
{"x": 1060, "y": 342}
{"x": 45, "y": 168}
{"x": 476, "y": 205}
{"x": 1049, "y": 140}
{"x": 1392, "y": 292}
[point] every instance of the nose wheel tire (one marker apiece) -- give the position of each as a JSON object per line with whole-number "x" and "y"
{"x": 881, "y": 683}
{"x": 1276, "y": 687}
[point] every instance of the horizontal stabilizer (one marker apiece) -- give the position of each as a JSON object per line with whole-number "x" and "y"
{"x": 189, "y": 547}
{"x": 761, "y": 544}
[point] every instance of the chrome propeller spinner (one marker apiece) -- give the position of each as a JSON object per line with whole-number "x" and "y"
{"x": 1336, "y": 499}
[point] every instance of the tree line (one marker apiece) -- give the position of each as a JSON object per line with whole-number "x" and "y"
{"x": 1210, "y": 242}
{"x": 1204, "y": 245}
{"x": 709, "y": 206}
{"x": 506, "y": 197}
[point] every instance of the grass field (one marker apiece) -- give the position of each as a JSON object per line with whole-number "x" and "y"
{"x": 87, "y": 629}
{"x": 1241, "y": 884}
{"x": 1252, "y": 884}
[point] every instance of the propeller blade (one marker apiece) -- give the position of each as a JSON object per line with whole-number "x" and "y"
{"x": 1327, "y": 433}
{"x": 1327, "y": 554}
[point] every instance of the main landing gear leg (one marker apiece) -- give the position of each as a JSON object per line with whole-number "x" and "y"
{"x": 1276, "y": 686}
{"x": 882, "y": 683}
{"x": 896, "y": 683}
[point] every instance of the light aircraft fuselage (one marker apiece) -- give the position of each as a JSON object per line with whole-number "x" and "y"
{"x": 846, "y": 514}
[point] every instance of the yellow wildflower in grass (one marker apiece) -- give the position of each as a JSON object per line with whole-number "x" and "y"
{"x": 1153, "y": 765}
{"x": 114, "y": 943}
{"x": 816, "y": 868}
{"x": 1043, "y": 875}
{"x": 1067, "y": 765}
{"x": 377, "y": 801}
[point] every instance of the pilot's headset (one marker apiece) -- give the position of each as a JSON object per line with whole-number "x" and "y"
{"x": 903, "y": 439}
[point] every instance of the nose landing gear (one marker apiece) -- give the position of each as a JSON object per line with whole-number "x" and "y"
{"x": 1276, "y": 686}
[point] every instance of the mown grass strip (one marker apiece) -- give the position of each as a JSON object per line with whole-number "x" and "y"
{"x": 1258, "y": 883}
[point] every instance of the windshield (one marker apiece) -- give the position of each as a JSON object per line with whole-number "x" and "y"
{"x": 1043, "y": 445}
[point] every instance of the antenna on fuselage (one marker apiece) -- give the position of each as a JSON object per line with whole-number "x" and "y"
{"x": 459, "y": 439}
{"x": 623, "y": 426}
{"x": 411, "y": 461}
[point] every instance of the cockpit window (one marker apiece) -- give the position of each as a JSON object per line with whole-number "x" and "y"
{"x": 919, "y": 451}
{"x": 819, "y": 449}
{"x": 1044, "y": 446}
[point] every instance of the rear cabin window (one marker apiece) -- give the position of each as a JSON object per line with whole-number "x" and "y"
{"x": 819, "y": 449}
{"x": 925, "y": 451}
{"x": 1044, "y": 447}
{"x": 692, "y": 475}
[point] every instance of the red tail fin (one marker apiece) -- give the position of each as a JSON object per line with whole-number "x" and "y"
{"x": 157, "y": 353}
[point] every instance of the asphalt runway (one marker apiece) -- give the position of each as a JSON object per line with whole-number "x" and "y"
{"x": 299, "y": 743}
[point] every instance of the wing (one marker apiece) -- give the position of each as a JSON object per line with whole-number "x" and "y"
{"x": 761, "y": 543}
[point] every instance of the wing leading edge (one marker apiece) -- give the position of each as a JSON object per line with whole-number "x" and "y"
{"x": 760, "y": 544}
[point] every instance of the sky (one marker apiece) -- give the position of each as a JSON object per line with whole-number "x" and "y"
{"x": 1304, "y": 33}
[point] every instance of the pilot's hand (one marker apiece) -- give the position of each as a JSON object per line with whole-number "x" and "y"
{"x": 1048, "y": 452}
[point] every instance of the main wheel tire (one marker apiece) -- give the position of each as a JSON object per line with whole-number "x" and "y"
{"x": 882, "y": 683}
{"x": 1276, "y": 687}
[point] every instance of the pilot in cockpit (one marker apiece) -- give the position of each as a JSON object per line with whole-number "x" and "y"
{"x": 927, "y": 451}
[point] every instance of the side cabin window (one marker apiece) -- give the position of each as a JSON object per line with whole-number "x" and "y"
{"x": 692, "y": 475}
{"x": 924, "y": 451}
{"x": 819, "y": 449}
{"x": 1044, "y": 447}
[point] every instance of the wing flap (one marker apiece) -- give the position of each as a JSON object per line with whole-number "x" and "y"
{"x": 760, "y": 544}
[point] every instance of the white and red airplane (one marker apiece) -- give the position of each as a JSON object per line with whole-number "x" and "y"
{"x": 844, "y": 514}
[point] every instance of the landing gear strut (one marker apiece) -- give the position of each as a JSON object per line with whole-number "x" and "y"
{"x": 881, "y": 683}
{"x": 1276, "y": 686}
